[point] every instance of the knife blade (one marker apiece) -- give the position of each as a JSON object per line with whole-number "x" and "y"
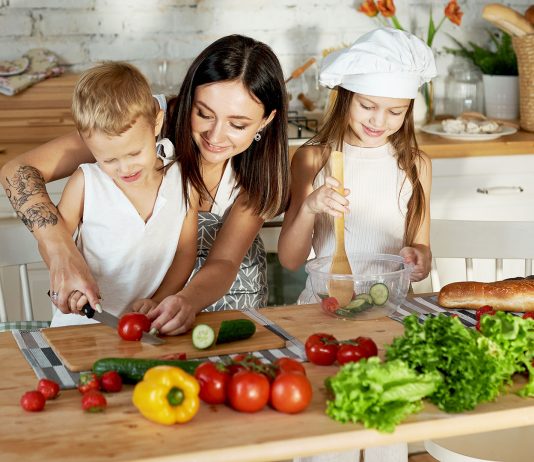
{"x": 112, "y": 321}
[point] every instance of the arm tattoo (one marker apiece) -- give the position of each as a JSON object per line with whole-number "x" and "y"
{"x": 27, "y": 183}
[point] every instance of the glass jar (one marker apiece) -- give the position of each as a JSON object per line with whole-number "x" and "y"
{"x": 464, "y": 90}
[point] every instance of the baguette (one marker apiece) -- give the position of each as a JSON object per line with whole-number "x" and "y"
{"x": 507, "y": 19}
{"x": 510, "y": 295}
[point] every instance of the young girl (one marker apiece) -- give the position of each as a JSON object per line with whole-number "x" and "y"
{"x": 124, "y": 205}
{"x": 387, "y": 179}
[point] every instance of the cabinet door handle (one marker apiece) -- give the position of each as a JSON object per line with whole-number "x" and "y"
{"x": 501, "y": 190}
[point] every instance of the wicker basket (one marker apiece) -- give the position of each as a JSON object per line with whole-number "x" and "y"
{"x": 524, "y": 49}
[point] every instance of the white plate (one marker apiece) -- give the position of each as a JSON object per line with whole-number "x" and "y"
{"x": 437, "y": 129}
{"x": 15, "y": 67}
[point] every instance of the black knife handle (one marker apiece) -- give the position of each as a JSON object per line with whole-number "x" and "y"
{"x": 88, "y": 310}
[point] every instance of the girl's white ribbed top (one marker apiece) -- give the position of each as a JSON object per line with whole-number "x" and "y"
{"x": 378, "y": 199}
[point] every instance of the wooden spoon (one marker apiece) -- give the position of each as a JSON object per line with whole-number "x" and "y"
{"x": 341, "y": 290}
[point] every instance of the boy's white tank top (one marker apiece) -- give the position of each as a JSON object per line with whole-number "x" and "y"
{"x": 128, "y": 257}
{"x": 379, "y": 195}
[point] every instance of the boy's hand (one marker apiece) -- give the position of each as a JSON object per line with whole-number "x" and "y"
{"x": 327, "y": 200}
{"x": 174, "y": 315}
{"x": 420, "y": 261}
{"x": 143, "y": 305}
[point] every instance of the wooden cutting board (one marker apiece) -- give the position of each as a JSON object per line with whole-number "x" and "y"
{"x": 79, "y": 347}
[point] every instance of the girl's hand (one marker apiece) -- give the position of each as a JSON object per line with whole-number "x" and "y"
{"x": 419, "y": 259}
{"x": 327, "y": 200}
{"x": 143, "y": 305}
{"x": 174, "y": 315}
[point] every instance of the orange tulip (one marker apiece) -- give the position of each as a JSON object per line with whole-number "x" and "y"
{"x": 369, "y": 8}
{"x": 386, "y": 7}
{"x": 453, "y": 12}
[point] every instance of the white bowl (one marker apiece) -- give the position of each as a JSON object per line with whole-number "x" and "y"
{"x": 380, "y": 283}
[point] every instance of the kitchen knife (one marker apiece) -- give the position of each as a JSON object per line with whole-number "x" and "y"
{"x": 113, "y": 322}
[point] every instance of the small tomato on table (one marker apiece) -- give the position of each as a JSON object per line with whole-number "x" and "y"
{"x": 167, "y": 395}
{"x": 291, "y": 392}
{"x": 248, "y": 391}
{"x": 321, "y": 349}
{"x": 213, "y": 379}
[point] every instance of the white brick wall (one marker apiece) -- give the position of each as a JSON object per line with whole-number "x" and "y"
{"x": 86, "y": 31}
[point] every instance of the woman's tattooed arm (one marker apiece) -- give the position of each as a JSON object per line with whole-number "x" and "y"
{"x": 27, "y": 193}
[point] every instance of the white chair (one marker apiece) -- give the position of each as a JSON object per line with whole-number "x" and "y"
{"x": 18, "y": 248}
{"x": 495, "y": 240}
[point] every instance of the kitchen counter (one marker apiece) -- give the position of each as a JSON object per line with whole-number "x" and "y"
{"x": 42, "y": 113}
{"x": 63, "y": 432}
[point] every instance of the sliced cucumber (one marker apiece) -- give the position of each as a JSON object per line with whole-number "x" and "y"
{"x": 235, "y": 329}
{"x": 380, "y": 293}
{"x": 345, "y": 313}
{"x": 203, "y": 336}
{"x": 359, "y": 304}
{"x": 365, "y": 297}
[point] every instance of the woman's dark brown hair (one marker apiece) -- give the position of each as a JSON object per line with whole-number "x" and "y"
{"x": 333, "y": 131}
{"x": 262, "y": 170}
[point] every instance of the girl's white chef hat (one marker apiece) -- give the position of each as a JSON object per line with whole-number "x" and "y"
{"x": 384, "y": 62}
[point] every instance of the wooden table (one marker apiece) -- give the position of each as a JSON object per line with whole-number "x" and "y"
{"x": 63, "y": 432}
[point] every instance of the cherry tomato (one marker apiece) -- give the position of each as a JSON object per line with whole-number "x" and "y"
{"x": 368, "y": 345}
{"x": 289, "y": 365}
{"x": 48, "y": 388}
{"x": 482, "y": 310}
{"x": 213, "y": 379}
{"x": 88, "y": 381}
{"x": 93, "y": 401}
{"x": 111, "y": 382}
{"x": 321, "y": 349}
{"x": 291, "y": 392}
{"x": 348, "y": 353}
{"x": 248, "y": 391}
{"x": 243, "y": 361}
{"x": 33, "y": 401}
{"x": 132, "y": 325}
{"x": 330, "y": 304}
{"x": 529, "y": 315}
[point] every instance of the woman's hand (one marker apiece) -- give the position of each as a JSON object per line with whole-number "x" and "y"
{"x": 174, "y": 315}
{"x": 143, "y": 305}
{"x": 326, "y": 199}
{"x": 420, "y": 257}
{"x": 70, "y": 278}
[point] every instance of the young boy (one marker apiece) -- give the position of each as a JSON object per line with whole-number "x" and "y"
{"x": 134, "y": 229}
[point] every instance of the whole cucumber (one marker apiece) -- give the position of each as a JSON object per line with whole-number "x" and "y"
{"x": 132, "y": 370}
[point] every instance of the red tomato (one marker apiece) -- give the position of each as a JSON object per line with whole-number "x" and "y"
{"x": 529, "y": 315}
{"x": 289, "y": 365}
{"x": 484, "y": 309}
{"x": 93, "y": 401}
{"x": 33, "y": 401}
{"x": 48, "y": 388}
{"x": 368, "y": 345}
{"x": 291, "y": 392}
{"x": 111, "y": 381}
{"x": 243, "y": 361}
{"x": 213, "y": 379}
{"x": 132, "y": 325}
{"x": 248, "y": 391}
{"x": 330, "y": 304}
{"x": 321, "y": 349}
{"x": 348, "y": 353}
{"x": 88, "y": 381}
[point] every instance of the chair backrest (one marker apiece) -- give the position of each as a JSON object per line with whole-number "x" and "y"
{"x": 495, "y": 240}
{"x": 17, "y": 248}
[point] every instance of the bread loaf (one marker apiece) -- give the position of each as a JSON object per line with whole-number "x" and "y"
{"x": 509, "y": 295}
{"x": 529, "y": 14}
{"x": 507, "y": 19}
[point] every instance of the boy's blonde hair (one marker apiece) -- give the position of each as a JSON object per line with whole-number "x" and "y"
{"x": 110, "y": 97}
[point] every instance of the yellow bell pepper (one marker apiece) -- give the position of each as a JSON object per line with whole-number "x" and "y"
{"x": 167, "y": 395}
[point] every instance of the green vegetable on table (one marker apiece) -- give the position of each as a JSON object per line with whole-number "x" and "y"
{"x": 378, "y": 394}
{"x": 471, "y": 374}
{"x": 512, "y": 338}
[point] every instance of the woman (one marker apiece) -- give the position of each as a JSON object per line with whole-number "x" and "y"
{"x": 228, "y": 125}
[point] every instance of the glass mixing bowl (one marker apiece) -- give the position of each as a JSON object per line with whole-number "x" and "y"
{"x": 379, "y": 284}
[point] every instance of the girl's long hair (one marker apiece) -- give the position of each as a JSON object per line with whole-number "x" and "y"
{"x": 332, "y": 134}
{"x": 262, "y": 170}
